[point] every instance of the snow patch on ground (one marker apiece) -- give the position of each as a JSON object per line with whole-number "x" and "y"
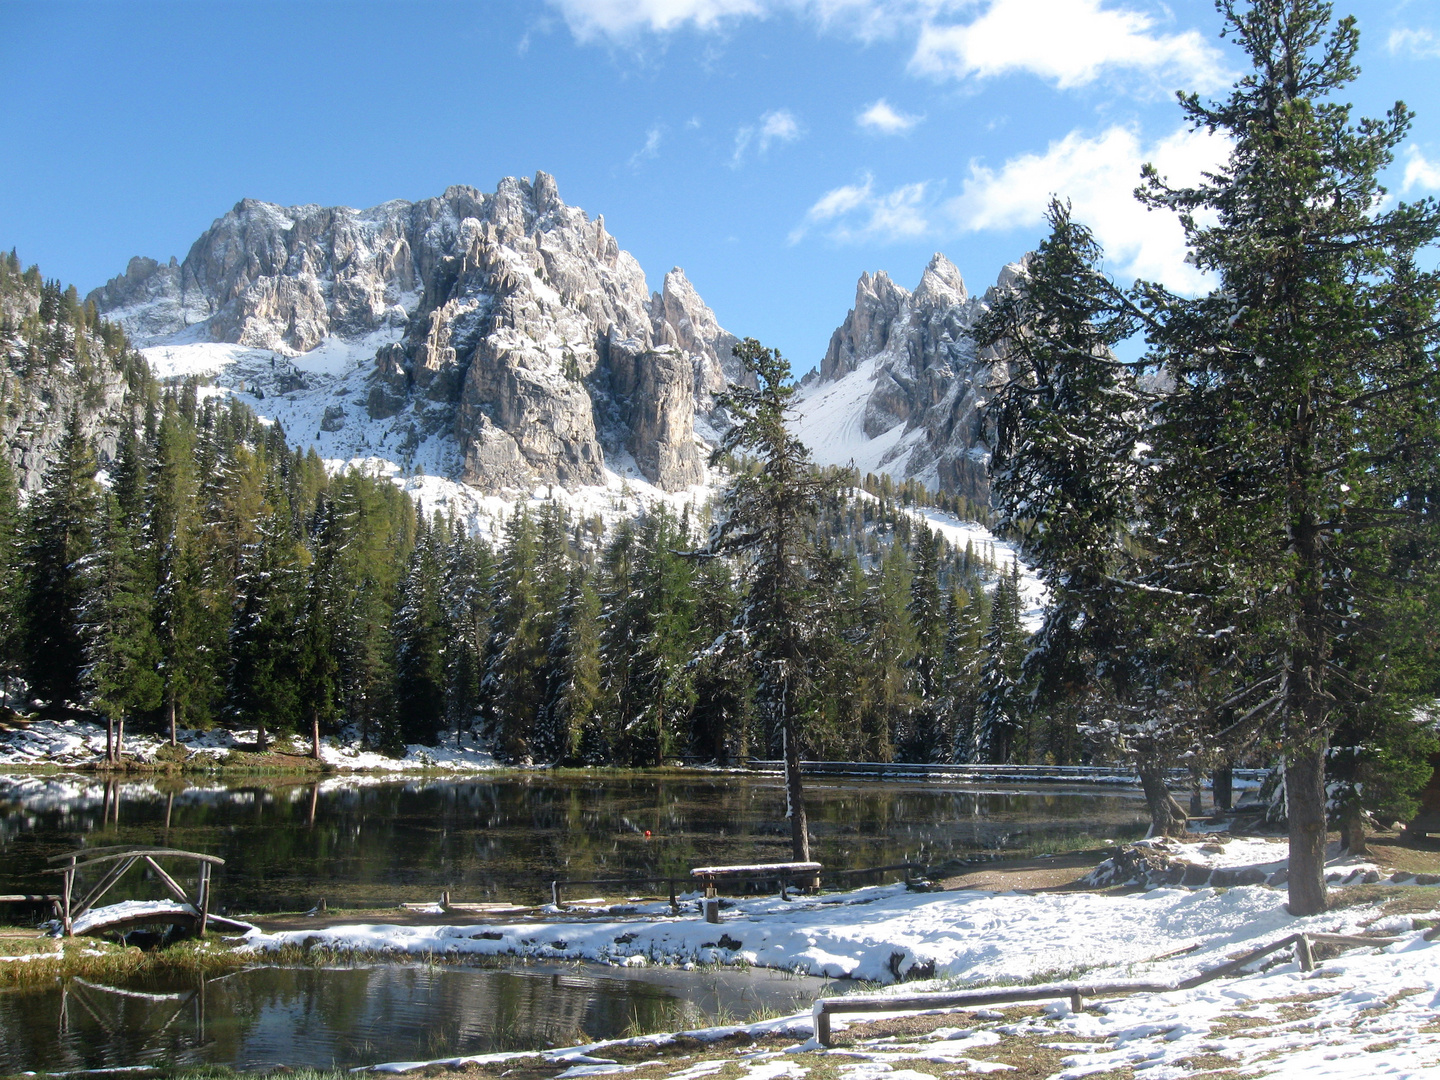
{"x": 82, "y": 742}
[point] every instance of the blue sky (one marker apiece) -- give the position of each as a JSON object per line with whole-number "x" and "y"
{"x": 775, "y": 149}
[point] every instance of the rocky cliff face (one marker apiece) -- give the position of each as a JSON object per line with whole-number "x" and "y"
{"x": 57, "y": 361}
{"x": 902, "y": 387}
{"x": 510, "y": 323}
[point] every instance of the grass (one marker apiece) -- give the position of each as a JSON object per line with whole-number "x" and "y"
{"x": 107, "y": 962}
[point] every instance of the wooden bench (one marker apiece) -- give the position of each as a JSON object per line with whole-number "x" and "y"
{"x": 711, "y": 877}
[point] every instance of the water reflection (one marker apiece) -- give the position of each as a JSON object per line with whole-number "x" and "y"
{"x": 360, "y": 841}
{"x": 339, "y": 1017}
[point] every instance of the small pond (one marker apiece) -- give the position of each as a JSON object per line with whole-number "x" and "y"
{"x": 341, "y": 1017}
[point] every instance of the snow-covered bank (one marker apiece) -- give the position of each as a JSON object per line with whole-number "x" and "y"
{"x": 69, "y": 743}
{"x": 887, "y": 933}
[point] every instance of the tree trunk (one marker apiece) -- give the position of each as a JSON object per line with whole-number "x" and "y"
{"x": 119, "y": 740}
{"x": 1221, "y": 786}
{"x": 315, "y": 734}
{"x": 1305, "y": 805}
{"x": 110, "y": 740}
{"x": 261, "y": 742}
{"x": 171, "y": 710}
{"x": 1166, "y": 816}
{"x": 794, "y": 795}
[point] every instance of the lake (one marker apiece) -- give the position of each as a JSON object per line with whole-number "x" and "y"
{"x": 365, "y": 841}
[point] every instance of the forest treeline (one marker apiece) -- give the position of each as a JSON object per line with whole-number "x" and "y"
{"x": 209, "y": 574}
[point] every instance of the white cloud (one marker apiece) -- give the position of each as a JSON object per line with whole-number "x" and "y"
{"x": 651, "y": 149}
{"x": 1420, "y": 171}
{"x": 623, "y": 19}
{"x": 778, "y": 125}
{"x": 589, "y": 19}
{"x": 1099, "y": 176}
{"x": 1068, "y": 42}
{"x": 883, "y": 117}
{"x": 855, "y": 212}
{"x": 1422, "y": 44}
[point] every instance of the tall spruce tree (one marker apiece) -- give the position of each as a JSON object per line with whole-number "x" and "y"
{"x": 59, "y": 537}
{"x": 123, "y": 653}
{"x": 1305, "y": 383}
{"x": 768, "y": 515}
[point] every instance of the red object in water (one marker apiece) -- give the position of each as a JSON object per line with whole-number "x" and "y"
{"x": 647, "y": 834}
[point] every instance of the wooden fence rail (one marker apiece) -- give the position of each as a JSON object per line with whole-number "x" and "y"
{"x": 1077, "y": 992}
{"x": 1039, "y": 773}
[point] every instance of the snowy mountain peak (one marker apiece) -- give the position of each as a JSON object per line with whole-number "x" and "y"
{"x": 503, "y": 339}
{"x": 941, "y": 284}
{"x": 901, "y": 387}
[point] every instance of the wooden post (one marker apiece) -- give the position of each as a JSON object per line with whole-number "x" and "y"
{"x": 712, "y": 909}
{"x": 1076, "y": 1000}
{"x": 555, "y": 892}
{"x": 674, "y": 904}
{"x": 1304, "y": 955}
{"x": 822, "y": 1023}
{"x": 204, "y": 897}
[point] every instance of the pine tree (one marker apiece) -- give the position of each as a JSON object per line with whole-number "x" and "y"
{"x": 768, "y": 515}
{"x": 265, "y": 680}
{"x": 173, "y": 540}
{"x": 11, "y": 577}
{"x": 660, "y": 616}
{"x": 59, "y": 537}
{"x": 1304, "y": 384}
{"x": 512, "y": 689}
{"x": 998, "y": 708}
{"x": 122, "y": 651}
{"x": 419, "y": 634}
{"x": 572, "y": 697}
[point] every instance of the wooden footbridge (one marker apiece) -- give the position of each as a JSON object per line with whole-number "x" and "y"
{"x": 80, "y": 915}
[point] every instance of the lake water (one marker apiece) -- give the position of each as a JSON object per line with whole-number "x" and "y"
{"x": 355, "y": 841}
{"x": 365, "y": 841}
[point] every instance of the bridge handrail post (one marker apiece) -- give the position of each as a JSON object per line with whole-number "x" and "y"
{"x": 203, "y": 896}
